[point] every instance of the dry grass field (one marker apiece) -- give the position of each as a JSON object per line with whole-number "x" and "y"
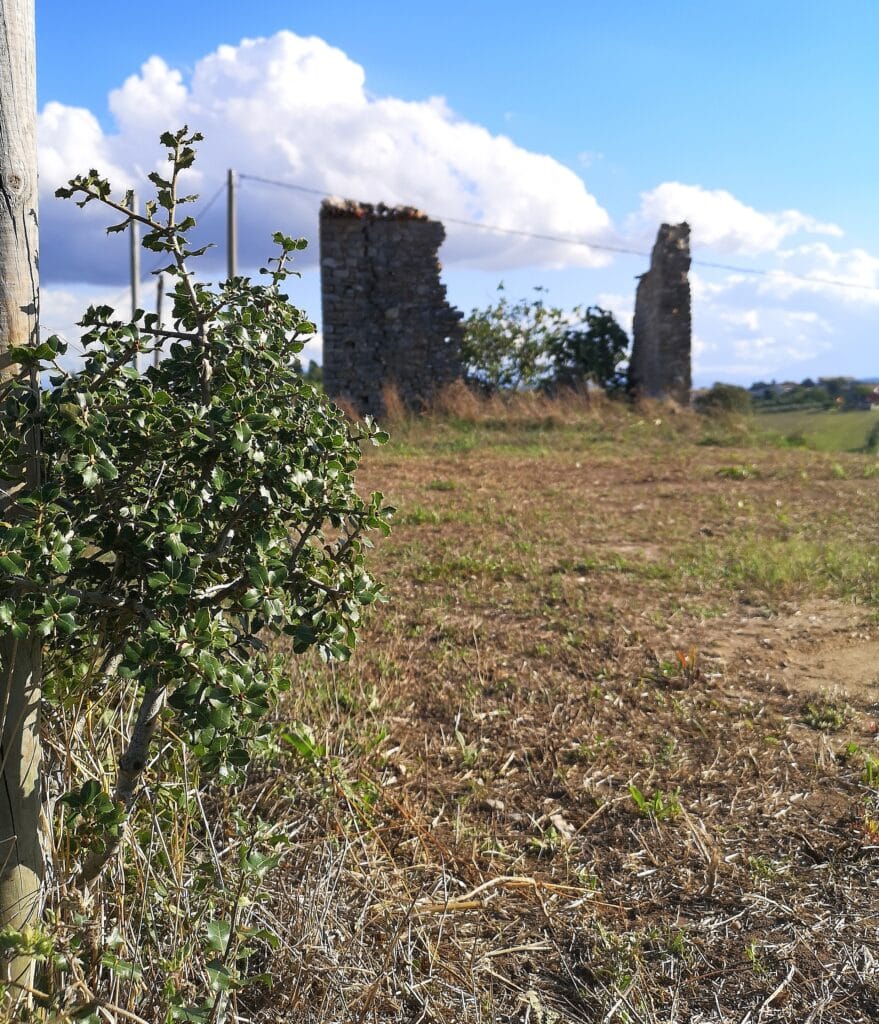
{"x": 608, "y": 752}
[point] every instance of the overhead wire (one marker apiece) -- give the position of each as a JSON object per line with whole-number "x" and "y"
{"x": 200, "y": 211}
{"x": 598, "y": 246}
{"x": 622, "y": 250}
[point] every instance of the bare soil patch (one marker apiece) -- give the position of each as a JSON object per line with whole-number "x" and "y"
{"x": 821, "y": 647}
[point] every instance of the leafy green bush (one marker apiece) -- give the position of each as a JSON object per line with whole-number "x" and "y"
{"x": 724, "y": 398}
{"x": 594, "y": 350}
{"x": 527, "y": 344}
{"x": 182, "y": 517}
{"x": 506, "y": 345}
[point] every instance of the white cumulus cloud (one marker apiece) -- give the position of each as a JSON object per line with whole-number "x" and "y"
{"x": 296, "y": 109}
{"x": 849, "y": 275}
{"x": 722, "y": 222}
{"x": 748, "y": 318}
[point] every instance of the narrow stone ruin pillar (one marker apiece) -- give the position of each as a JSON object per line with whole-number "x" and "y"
{"x": 386, "y": 320}
{"x": 660, "y": 363}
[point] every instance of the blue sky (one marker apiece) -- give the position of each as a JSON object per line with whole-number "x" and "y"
{"x": 757, "y": 122}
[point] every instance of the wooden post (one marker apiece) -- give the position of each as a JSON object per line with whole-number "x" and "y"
{"x": 231, "y": 225}
{"x": 21, "y": 862}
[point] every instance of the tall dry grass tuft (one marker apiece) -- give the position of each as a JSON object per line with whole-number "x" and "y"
{"x": 146, "y": 940}
{"x": 347, "y": 408}
{"x": 394, "y": 409}
{"x": 458, "y": 401}
{"x": 461, "y": 402}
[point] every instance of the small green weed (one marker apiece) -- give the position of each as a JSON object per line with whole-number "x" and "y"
{"x": 660, "y": 806}
{"x": 763, "y": 868}
{"x": 417, "y": 515}
{"x": 738, "y": 472}
{"x": 826, "y": 714}
{"x": 469, "y": 751}
{"x": 586, "y": 753}
{"x": 668, "y": 750}
{"x": 548, "y": 843}
{"x": 588, "y": 880}
{"x": 754, "y": 958}
{"x": 670, "y": 940}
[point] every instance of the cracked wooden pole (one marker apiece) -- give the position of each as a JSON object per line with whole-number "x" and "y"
{"x": 21, "y": 862}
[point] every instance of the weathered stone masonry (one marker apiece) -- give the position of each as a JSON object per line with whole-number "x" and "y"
{"x": 386, "y": 321}
{"x": 660, "y": 363}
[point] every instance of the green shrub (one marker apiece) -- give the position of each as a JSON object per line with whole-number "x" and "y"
{"x": 528, "y": 344}
{"x": 181, "y": 517}
{"x": 724, "y": 398}
{"x": 592, "y": 351}
{"x": 506, "y": 345}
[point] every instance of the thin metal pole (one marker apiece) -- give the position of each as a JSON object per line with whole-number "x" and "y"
{"x": 135, "y": 265}
{"x": 231, "y": 225}
{"x": 160, "y": 295}
{"x": 135, "y": 257}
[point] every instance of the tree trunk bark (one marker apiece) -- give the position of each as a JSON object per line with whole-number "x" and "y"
{"x": 21, "y": 862}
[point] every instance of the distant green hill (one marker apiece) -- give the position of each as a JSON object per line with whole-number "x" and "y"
{"x": 826, "y": 430}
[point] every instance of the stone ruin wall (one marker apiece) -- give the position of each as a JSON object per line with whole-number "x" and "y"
{"x": 660, "y": 363}
{"x": 386, "y": 320}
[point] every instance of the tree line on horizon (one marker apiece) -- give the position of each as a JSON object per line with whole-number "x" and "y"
{"x": 845, "y": 393}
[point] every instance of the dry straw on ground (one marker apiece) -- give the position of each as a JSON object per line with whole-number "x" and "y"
{"x": 583, "y": 605}
{"x": 608, "y": 752}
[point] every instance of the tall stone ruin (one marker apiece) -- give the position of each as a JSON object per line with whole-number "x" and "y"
{"x": 386, "y": 321}
{"x": 660, "y": 362}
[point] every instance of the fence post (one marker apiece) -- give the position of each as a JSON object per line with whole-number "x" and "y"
{"x": 160, "y": 296}
{"x": 231, "y": 225}
{"x": 135, "y": 264}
